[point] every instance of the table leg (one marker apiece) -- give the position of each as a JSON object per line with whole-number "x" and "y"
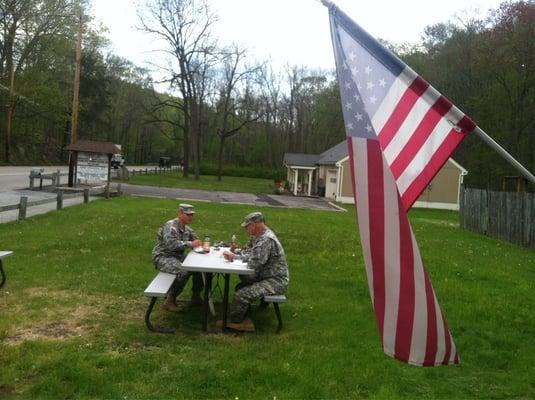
{"x": 2, "y": 273}
{"x": 207, "y": 290}
{"x": 225, "y": 301}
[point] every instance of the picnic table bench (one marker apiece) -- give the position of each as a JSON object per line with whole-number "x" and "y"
{"x": 3, "y": 254}
{"x": 158, "y": 288}
{"x": 276, "y": 299}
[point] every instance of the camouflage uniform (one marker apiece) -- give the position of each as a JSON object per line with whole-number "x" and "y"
{"x": 170, "y": 252}
{"x": 266, "y": 256}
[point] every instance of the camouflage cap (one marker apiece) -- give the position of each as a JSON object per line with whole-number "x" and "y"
{"x": 253, "y": 217}
{"x": 186, "y": 208}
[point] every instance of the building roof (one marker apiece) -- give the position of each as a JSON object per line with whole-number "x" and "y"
{"x": 91, "y": 146}
{"x": 334, "y": 154}
{"x": 300, "y": 159}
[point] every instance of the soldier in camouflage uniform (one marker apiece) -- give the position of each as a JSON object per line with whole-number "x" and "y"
{"x": 174, "y": 237}
{"x": 264, "y": 254}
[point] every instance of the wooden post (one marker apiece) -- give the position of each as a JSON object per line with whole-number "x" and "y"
{"x": 86, "y": 196}
{"x": 58, "y": 179}
{"x": 59, "y": 200}
{"x": 107, "y": 191}
{"x": 119, "y": 190}
{"x": 22, "y": 207}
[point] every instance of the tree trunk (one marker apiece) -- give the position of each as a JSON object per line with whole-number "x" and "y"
{"x": 10, "y": 106}
{"x": 220, "y": 158}
{"x": 185, "y": 151}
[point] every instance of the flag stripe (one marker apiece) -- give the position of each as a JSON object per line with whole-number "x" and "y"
{"x": 431, "y": 342}
{"x": 407, "y": 128}
{"x": 376, "y": 228}
{"x": 358, "y": 159}
{"x": 418, "y": 138}
{"x": 401, "y": 110}
{"x": 441, "y": 338}
{"x": 392, "y": 252}
{"x": 432, "y": 145}
{"x": 419, "y": 332}
{"x": 448, "y": 349}
{"x": 405, "y": 320}
{"x": 396, "y": 91}
{"x": 438, "y": 159}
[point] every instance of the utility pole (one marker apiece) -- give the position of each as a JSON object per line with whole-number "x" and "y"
{"x": 75, "y": 101}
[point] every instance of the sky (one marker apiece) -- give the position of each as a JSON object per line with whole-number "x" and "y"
{"x": 293, "y": 32}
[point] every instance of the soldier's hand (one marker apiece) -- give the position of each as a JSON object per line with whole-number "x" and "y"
{"x": 229, "y": 256}
{"x": 196, "y": 243}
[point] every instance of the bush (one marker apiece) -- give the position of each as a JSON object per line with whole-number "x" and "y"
{"x": 247, "y": 172}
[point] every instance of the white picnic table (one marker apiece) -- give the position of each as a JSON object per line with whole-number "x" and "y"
{"x": 211, "y": 263}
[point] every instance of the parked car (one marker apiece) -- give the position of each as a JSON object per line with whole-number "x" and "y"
{"x": 164, "y": 162}
{"x": 117, "y": 161}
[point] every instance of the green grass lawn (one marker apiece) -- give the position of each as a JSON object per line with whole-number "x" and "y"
{"x": 72, "y": 312}
{"x": 206, "y": 182}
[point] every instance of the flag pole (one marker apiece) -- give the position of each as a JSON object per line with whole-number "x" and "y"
{"x": 501, "y": 151}
{"x": 483, "y": 136}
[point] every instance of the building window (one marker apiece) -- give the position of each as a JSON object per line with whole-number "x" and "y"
{"x": 333, "y": 180}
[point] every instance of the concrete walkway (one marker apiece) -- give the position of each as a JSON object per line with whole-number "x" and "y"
{"x": 261, "y": 200}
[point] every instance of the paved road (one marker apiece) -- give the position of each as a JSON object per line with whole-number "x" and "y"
{"x": 14, "y": 183}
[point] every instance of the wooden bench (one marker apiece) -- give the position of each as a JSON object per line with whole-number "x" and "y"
{"x": 3, "y": 254}
{"x": 276, "y": 299}
{"x": 159, "y": 287}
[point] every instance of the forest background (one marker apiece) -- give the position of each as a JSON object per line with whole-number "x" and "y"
{"x": 221, "y": 112}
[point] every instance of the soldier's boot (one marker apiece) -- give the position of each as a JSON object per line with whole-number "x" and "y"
{"x": 246, "y": 325}
{"x": 170, "y": 304}
{"x": 196, "y": 299}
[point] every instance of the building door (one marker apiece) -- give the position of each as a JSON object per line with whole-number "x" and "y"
{"x": 331, "y": 184}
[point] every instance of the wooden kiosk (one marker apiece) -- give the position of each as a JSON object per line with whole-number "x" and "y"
{"x": 92, "y": 162}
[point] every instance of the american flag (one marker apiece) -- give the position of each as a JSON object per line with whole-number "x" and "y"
{"x": 400, "y": 132}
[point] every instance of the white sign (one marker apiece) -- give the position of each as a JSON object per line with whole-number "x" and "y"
{"x": 92, "y": 168}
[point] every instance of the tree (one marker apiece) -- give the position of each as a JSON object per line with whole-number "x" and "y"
{"x": 183, "y": 26}
{"x": 25, "y": 26}
{"x": 233, "y": 113}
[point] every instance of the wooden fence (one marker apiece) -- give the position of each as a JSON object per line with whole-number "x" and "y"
{"x": 23, "y": 204}
{"x": 155, "y": 170}
{"x": 504, "y": 215}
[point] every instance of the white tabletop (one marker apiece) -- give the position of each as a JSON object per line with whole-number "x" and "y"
{"x": 214, "y": 262}
{"x": 5, "y": 254}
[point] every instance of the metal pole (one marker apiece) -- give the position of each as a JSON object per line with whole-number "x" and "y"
{"x": 501, "y": 151}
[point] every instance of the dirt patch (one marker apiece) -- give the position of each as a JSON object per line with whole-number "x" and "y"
{"x": 54, "y": 294}
{"x": 48, "y": 331}
{"x": 70, "y": 314}
{"x": 54, "y": 330}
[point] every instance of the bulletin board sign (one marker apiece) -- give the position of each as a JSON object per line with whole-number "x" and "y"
{"x": 92, "y": 168}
